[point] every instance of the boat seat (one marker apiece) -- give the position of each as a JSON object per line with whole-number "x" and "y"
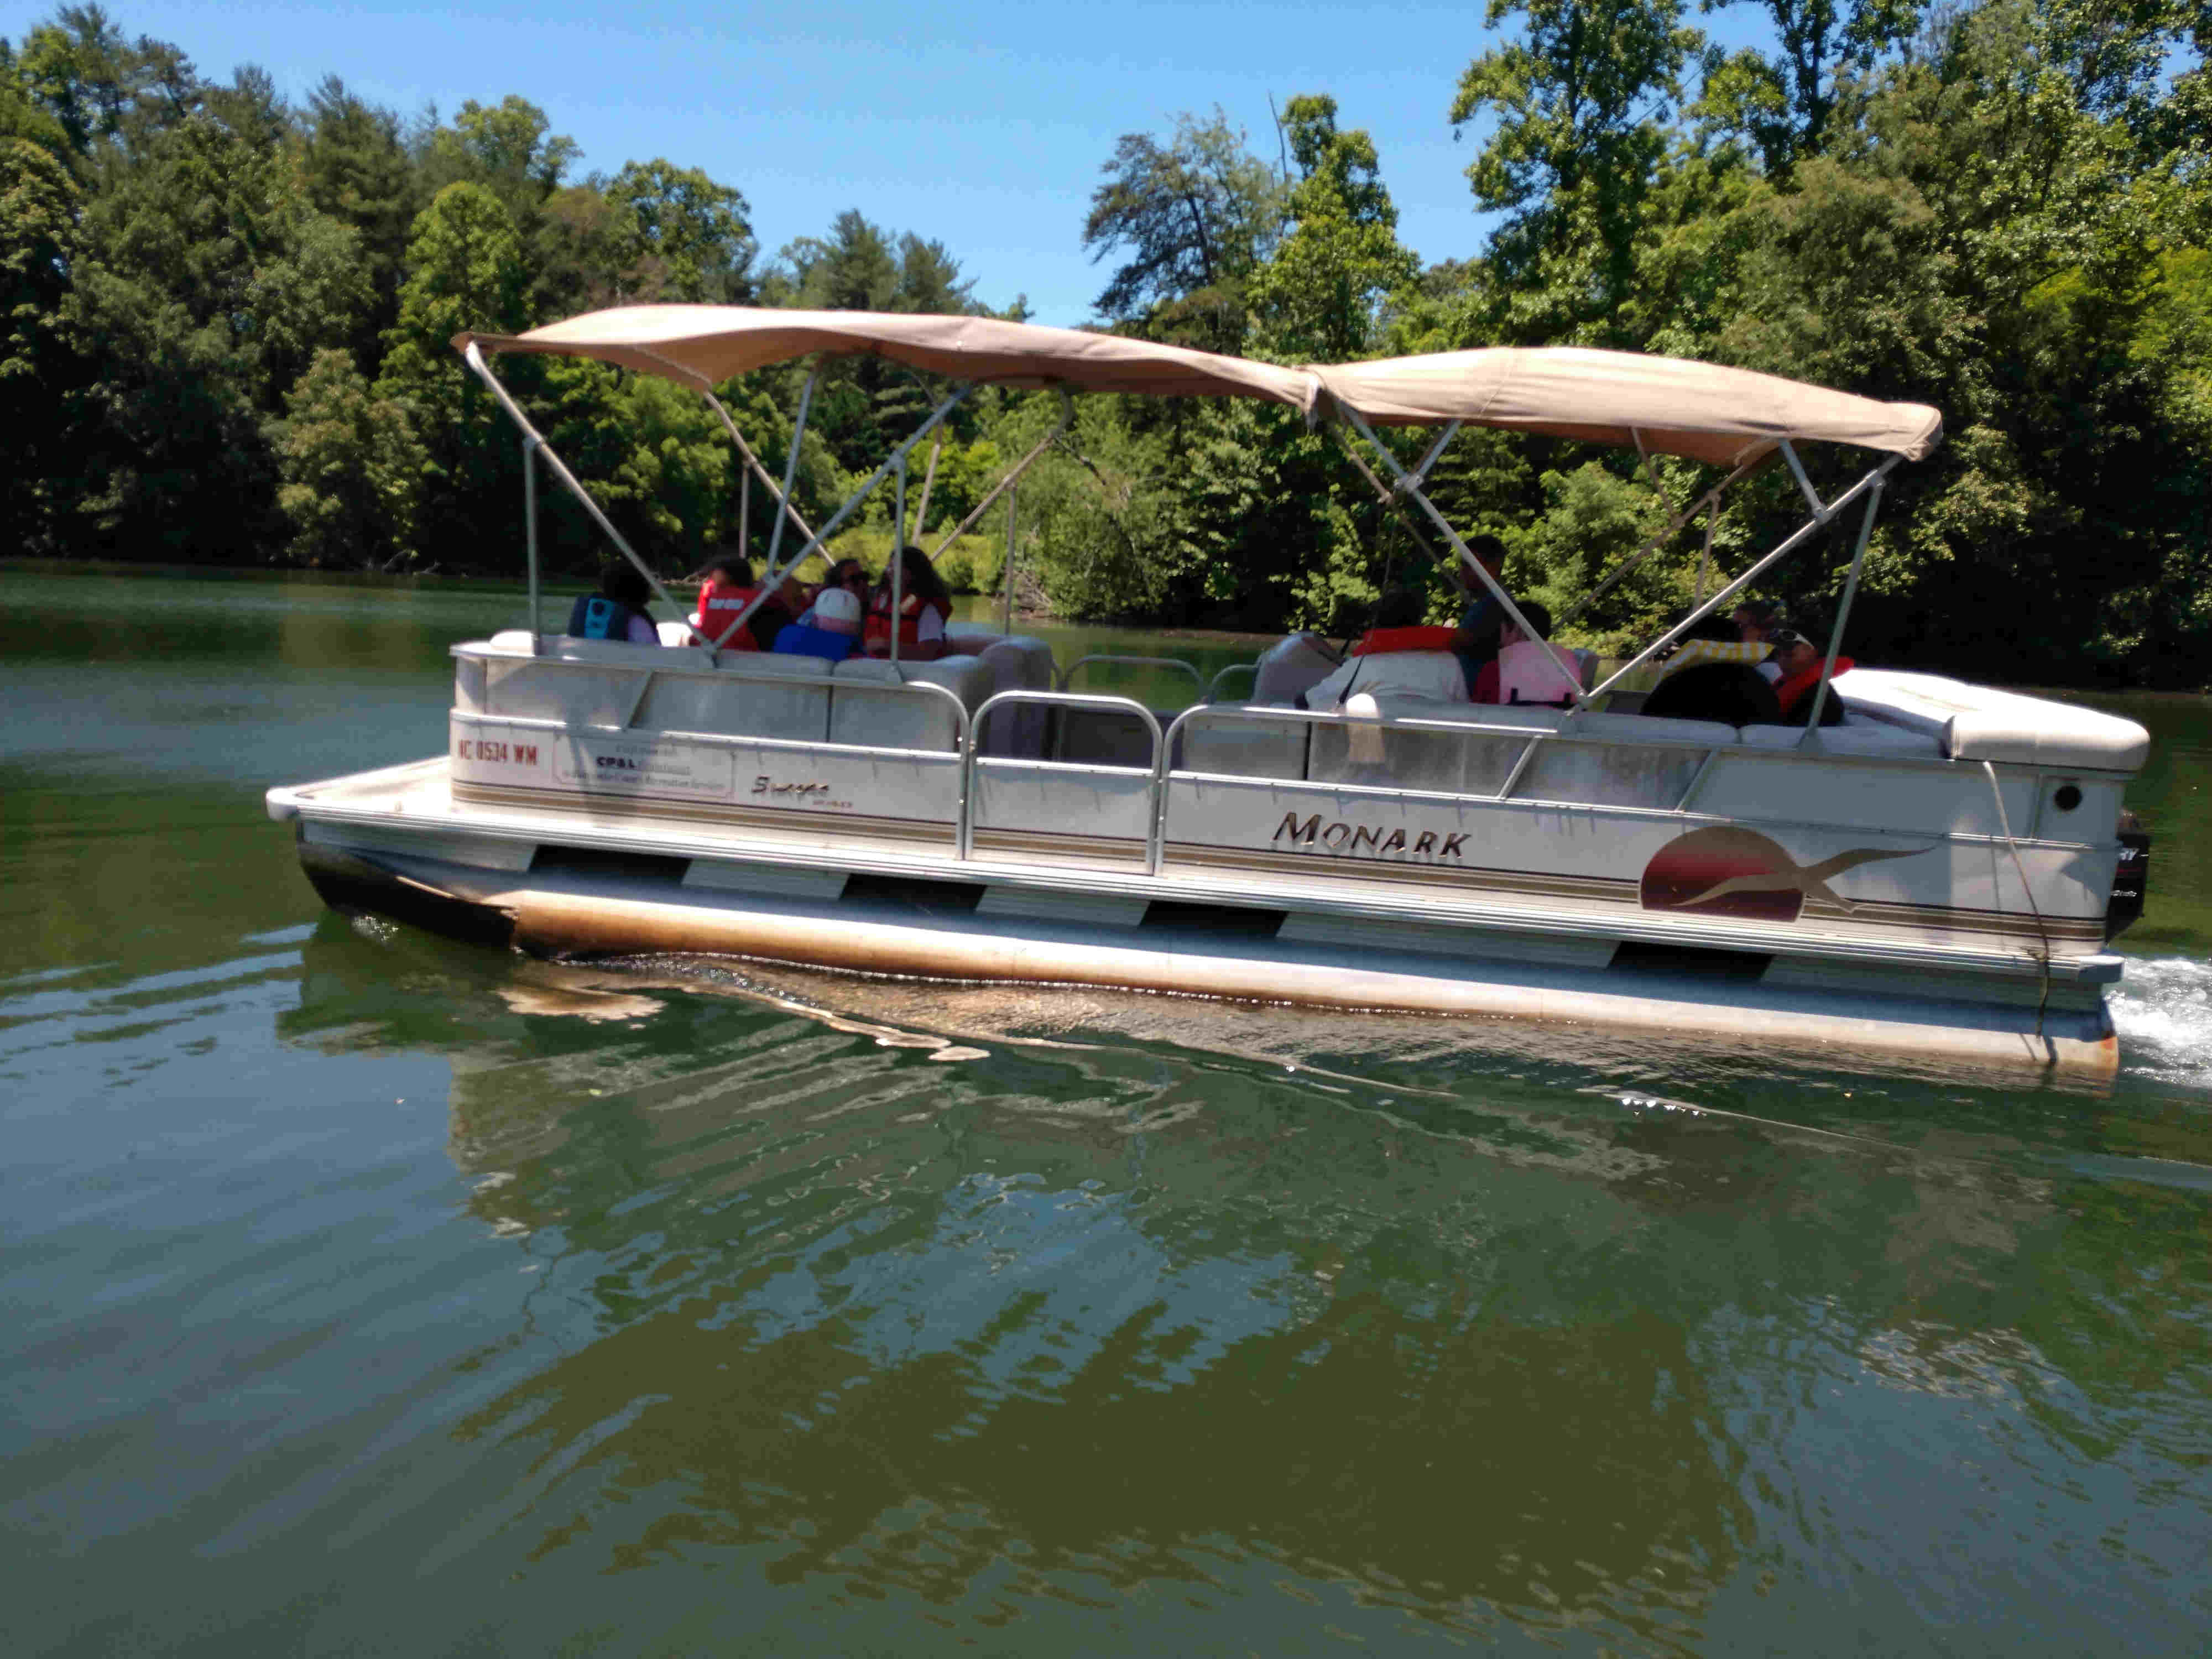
{"x": 1977, "y": 722}
{"x": 862, "y": 710}
{"x": 1245, "y": 748}
{"x": 1292, "y": 665}
{"x": 1015, "y": 662}
{"x": 749, "y": 694}
{"x": 1471, "y": 755}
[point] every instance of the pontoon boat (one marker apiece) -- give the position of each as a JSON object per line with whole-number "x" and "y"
{"x": 1935, "y": 875}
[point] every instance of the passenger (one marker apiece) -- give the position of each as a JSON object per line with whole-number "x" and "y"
{"x": 845, "y": 576}
{"x": 924, "y": 610}
{"x": 830, "y": 630}
{"x": 1397, "y": 654}
{"x": 1481, "y": 621}
{"x": 1800, "y": 662}
{"x": 723, "y": 597}
{"x": 1527, "y": 669}
{"x": 618, "y": 611}
{"x": 1711, "y": 640}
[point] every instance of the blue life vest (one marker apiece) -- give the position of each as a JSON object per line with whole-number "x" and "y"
{"x": 595, "y": 616}
{"x": 804, "y": 640}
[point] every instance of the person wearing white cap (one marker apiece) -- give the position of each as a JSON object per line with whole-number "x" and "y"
{"x": 830, "y": 631}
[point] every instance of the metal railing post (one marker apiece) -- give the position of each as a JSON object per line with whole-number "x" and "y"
{"x": 1006, "y": 571}
{"x": 1843, "y": 615}
{"x": 898, "y": 556}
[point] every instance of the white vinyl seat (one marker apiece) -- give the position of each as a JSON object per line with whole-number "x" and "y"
{"x": 1292, "y": 665}
{"x": 749, "y": 694}
{"x": 866, "y": 707}
{"x": 1853, "y": 736}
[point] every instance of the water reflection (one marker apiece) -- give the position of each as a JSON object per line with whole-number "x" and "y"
{"x": 1415, "y": 1335}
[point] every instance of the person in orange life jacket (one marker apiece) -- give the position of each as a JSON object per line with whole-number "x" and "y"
{"x": 1527, "y": 668}
{"x": 830, "y": 630}
{"x": 925, "y": 607}
{"x": 1396, "y": 655}
{"x": 723, "y": 597}
{"x": 1800, "y": 662}
{"x": 618, "y": 611}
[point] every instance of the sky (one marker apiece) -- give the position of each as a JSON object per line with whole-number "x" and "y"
{"x": 983, "y": 126}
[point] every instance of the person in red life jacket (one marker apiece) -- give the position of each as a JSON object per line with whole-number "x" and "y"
{"x": 846, "y": 576}
{"x": 618, "y": 611}
{"x": 1528, "y": 669}
{"x": 1800, "y": 662}
{"x": 723, "y": 596}
{"x": 1397, "y": 656}
{"x": 925, "y": 607}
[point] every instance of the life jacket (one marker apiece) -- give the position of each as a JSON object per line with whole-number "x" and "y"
{"x": 878, "y": 632}
{"x": 1788, "y": 692}
{"x": 1378, "y": 642}
{"x": 595, "y": 616}
{"x": 720, "y": 605}
{"x": 1526, "y": 674}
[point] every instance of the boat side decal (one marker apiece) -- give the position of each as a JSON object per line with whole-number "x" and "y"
{"x": 1724, "y": 871}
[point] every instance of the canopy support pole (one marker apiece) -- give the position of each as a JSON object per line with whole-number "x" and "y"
{"x": 1790, "y": 545}
{"x": 790, "y": 466}
{"x": 1705, "y": 557}
{"x": 753, "y": 467}
{"x": 745, "y": 516}
{"x": 898, "y": 556}
{"x": 1843, "y": 615}
{"x": 1389, "y": 498}
{"x": 1711, "y": 502}
{"x": 1820, "y": 513}
{"x": 473, "y": 355}
{"x": 976, "y": 513}
{"x": 1435, "y": 452}
{"x": 928, "y": 478}
{"x": 1006, "y": 571}
{"x": 530, "y": 520}
{"x": 773, "y": 574}
{"x": 1410, "y": 486}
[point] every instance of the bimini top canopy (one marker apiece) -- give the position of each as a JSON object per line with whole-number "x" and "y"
{"x": 1666, "y": 405}
{"x": 1669, "y": 405}
{"x": 704, "y": 345}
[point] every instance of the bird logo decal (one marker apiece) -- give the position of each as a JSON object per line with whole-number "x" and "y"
{"x": 1741, "y": 873}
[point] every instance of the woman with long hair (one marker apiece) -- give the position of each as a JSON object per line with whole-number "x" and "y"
{"x": 924, "y": 609}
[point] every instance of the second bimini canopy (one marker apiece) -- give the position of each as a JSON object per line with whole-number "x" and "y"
{"x": 1668, "y": 405}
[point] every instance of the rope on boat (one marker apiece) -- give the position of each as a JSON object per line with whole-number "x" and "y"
{"x": 2004, "y": 822}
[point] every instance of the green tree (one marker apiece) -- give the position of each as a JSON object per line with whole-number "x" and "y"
{"x": 1581, "y": 101}
{"x": 38, "y": 205}
{"x": 1319, "y": 298}
{"x": 356, "y": 170}
{"x": 351, "y": 469}
{"x": 1782, "y": 102}
{"x": 1189, "y": 219}
{"x": 690, "y": 237}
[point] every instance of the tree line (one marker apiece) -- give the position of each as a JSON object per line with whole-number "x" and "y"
{"x": 227, "y": 319}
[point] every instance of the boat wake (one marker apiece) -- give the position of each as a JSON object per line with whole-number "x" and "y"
{"x": 2163, "y": 1010}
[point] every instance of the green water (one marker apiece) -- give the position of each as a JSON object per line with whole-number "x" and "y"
{"x": 370, "y": 1293}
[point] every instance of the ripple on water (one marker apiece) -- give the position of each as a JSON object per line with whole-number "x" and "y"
{"x": 2163, "y": 1010}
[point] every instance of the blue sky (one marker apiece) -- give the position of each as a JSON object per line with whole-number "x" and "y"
{"x": 983, "y": 124}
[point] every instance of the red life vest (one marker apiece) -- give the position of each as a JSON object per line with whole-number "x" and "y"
{"x": 1377, "y": 641}
{"x": 876, "y": 635}
{"x": 1789, "y": 691}
{"x": 720, "y": 605}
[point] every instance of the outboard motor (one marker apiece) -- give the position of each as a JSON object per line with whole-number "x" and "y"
{"x": 2131, "y": 878}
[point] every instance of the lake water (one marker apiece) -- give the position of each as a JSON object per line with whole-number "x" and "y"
{"x": 370, "y": 1293}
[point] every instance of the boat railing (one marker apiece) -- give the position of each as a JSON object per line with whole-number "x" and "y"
{"x": 1067, "y": 675}
{"x": 1129, "y": 706}
{"x": 1214, "y": 687}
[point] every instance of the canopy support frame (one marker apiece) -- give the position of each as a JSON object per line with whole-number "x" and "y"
{"x": 1788, "y": 545}
{"x": 1709, "y": 501}
{"x": 1410, "y": 485}
{"x": 753, "y": 469}
{"x": 474, "y": 357}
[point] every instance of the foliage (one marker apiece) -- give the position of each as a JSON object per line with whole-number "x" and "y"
{"x": 351, "y": 468}
{"x": 228, "y": 321}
